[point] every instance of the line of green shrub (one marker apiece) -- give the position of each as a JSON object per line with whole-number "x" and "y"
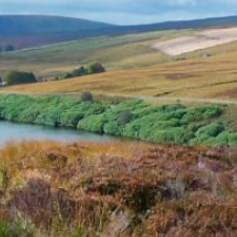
{"x": 135, "y": 119}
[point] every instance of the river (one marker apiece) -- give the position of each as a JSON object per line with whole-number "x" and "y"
{"x": 16, "y": 131}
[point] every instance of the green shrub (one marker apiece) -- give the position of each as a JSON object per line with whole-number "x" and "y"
{"x": 124, "y": 117}
{"x": 208, "y": 134}
{"x": 133, "y": 118}
{"x": 112, "y": 128}
{"x": 96, "y": 68}
{"x": 28, "y": 115}
{"x": 86, "y": 96}
{"x": 132, "y": 130}
{"x": 232, "y": 139}
{"x": 201, "y": 113}
{"x": 129, "y": 105}
{"x": 213, "y": 112}
{"x": 67, "y": 75}
{"x": 211, "y": 130}
{"x": 226, "y": 138}
{"x": 16, "y": 77}
{"x": 80, "y": 72}
{"x": 70, "y": 119}
{"x": 146, "y": 128}
{"x": 50, "y": 117}
{"x": 173, "y": 135}
{"x": 172, "y": 108}
{"x": 93, "y": 123}
{"x": 87, "y": 108}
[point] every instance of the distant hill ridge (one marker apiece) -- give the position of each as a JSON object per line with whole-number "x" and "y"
{"x": 18, "y": 25}
{"x": 34, "y": 30}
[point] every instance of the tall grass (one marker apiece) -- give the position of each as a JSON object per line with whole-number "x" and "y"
{"x": 117, "y": 189}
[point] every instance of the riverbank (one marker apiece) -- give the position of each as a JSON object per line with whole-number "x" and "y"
{"x": 176, "y": 124}
{"x": 117, "y": 189}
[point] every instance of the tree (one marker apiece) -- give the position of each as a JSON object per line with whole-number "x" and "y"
{"x": 96, "y": 68}
{"x": 80, "y": 72}
{"x": 8, "y": 48}
{"x": 17, "y": 77}
{"x": 67, "y": 75}
{"x": 1, "y": 81}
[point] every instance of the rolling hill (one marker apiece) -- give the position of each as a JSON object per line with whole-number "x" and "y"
{"x": 20, "y": 25}
{"x": 24, "y": 31}
{"x": 32, "y": 30}
{"x": 134, "y": 67}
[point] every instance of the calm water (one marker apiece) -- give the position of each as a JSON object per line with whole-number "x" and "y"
{"x": 15, "y": 131}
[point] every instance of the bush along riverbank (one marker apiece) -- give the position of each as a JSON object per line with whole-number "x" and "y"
{"x": 177, "y": 124}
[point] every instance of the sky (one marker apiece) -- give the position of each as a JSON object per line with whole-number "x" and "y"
{"x": 123, "y": 12}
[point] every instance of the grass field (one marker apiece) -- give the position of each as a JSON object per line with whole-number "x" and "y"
{"x": 134, "y": 68}
{"x": 193, "y": 77}
{"x": 115, "y": 52}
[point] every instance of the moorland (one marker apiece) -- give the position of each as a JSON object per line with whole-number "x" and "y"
{"x": 175, "y": 177}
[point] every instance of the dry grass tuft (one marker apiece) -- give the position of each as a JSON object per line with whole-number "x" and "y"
{"x": 119, "y": 189}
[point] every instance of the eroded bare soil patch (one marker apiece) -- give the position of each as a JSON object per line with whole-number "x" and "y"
{"x": 204, "y": 39}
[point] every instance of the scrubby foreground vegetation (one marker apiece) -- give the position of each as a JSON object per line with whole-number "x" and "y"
{"x": 178, "y": 124}
{"x": 117, "y": 189}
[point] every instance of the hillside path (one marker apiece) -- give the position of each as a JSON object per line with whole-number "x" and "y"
{"x": 142, "y": 97}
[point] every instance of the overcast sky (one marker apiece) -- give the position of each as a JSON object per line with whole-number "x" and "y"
{"x": 123, "y": 12}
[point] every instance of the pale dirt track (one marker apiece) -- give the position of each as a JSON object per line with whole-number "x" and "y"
{"x": 203, "y": 40}
{"x": 163, "y": 99}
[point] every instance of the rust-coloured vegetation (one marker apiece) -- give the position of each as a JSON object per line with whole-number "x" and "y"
{"x": 117, "y": 189}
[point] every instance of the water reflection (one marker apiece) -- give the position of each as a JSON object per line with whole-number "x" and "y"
{"x": 16, "y": 131}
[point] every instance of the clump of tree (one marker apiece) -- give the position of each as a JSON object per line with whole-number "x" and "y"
{"x": 77, "y": 72}
{"x": 80, "y": 71}
{"x": 93, "y": 68}
{"x": 7, "y": 48}
{"x": 96, "y": 68}
{"x": 18, "y": 77}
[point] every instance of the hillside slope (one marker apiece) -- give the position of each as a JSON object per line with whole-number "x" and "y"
{"x": 19, "y": 25}
{"x": 24, "y": 31}
{"x": 33, "y": 30}
{"x": 195, "y": 76}
{"x": 22, "y": 25}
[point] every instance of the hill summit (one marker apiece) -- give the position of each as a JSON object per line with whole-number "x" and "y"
{"x": 18, "y": 25}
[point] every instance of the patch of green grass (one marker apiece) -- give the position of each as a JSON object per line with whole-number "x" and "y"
{"x": 93, "y": 123}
